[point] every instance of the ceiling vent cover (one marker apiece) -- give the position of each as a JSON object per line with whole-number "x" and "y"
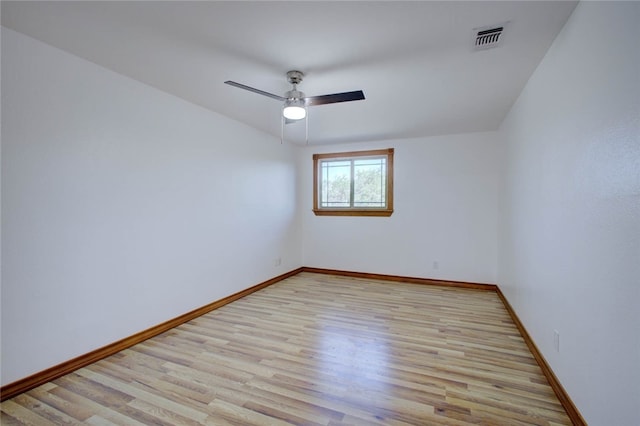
{"x": 488, "y": 37}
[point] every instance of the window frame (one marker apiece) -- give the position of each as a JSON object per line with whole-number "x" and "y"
{"x": 354, "y": 211}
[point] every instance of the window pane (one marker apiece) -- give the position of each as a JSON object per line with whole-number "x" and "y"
{"x": 358, "y": 183}
{"x": 369, "y": 183}
{"x": 336, "y": 183}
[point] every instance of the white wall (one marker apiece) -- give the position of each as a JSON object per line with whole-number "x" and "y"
{"x": 445, "y": 211}
{"x": 123, "y": 207}
{"x": 570, "y": 246}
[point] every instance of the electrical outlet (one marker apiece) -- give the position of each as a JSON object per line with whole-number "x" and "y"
{"x": 436, "y": 264}
{"x": 556, "y": 340}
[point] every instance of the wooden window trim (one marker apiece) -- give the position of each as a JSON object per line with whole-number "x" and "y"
{"x": 386, "y": 212}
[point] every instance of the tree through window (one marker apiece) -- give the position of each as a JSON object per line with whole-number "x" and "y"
{"x": 353, "y": 183}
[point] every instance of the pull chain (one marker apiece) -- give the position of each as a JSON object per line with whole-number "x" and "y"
{"x": 306, "y": 131}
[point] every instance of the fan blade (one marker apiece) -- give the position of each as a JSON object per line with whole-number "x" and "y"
{"x": 254, "y": 90}
{"x": 356, "y": 95}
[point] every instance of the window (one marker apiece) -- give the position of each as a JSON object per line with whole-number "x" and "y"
{"x": 353, "y": 183}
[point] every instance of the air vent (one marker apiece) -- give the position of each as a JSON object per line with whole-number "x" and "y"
{"x": 488, "y": 37}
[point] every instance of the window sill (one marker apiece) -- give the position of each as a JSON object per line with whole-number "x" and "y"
{"x": 353, "y": 212}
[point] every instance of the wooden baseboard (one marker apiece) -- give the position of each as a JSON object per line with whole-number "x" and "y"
{"x": 563, "y": 396}
{"x": 403, "y": 279}
{"x": 12, "y": 389}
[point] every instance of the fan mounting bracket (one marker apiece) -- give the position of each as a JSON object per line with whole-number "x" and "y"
{"x": 295, "y": 77}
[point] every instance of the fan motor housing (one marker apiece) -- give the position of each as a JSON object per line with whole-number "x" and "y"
{"x": 294, "y": 94}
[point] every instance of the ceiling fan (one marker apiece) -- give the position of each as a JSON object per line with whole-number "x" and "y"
{"x": 294, "y": 101}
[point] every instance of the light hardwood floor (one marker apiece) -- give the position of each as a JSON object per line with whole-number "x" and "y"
{"x": 315, "y": 350}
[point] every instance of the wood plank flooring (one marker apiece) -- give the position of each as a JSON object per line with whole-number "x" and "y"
{"x": 315, "y": 350}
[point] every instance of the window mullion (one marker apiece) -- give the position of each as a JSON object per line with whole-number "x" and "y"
{"x": 352, "y": 185}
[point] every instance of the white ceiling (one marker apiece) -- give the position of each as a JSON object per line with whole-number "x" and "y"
{"x": 413, "y": 60}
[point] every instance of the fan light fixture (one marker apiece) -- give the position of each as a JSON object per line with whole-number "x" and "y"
{"x": 294, "y": 109}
